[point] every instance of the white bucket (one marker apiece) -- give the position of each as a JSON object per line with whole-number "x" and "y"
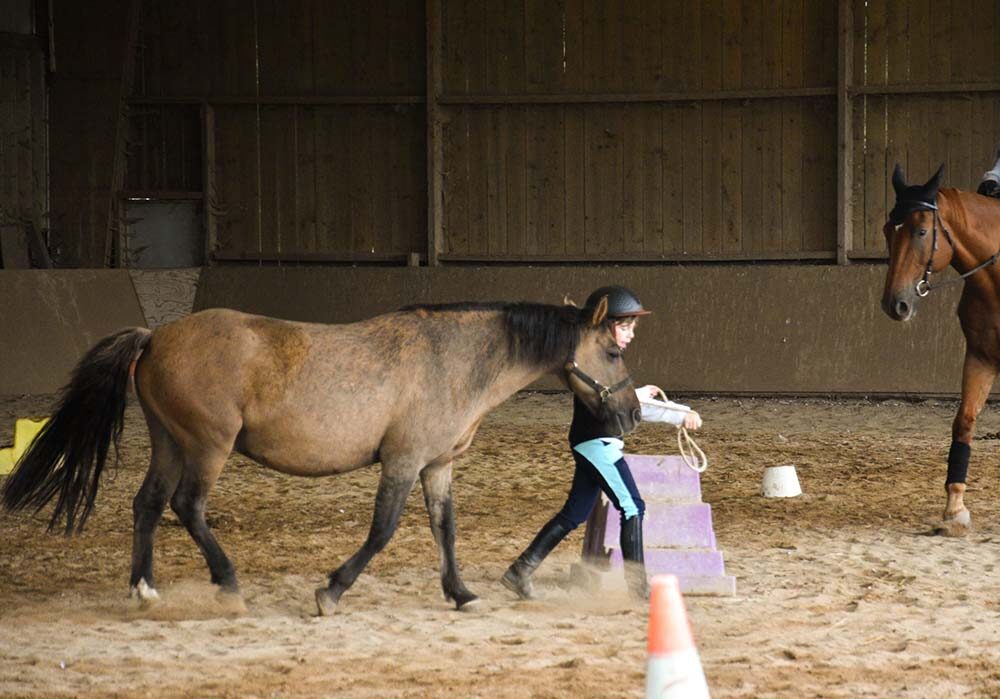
{"x": 780, "y": 482}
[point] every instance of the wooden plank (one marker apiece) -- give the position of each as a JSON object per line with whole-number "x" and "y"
{"x": 434, "y": 140}
{"x": 771, "y": 174}
{"x": 478, "y": 179}
{"x": 940, "y": 41}
{"x": 792, "y": 40}
{"x": 752, "y": 44}
{"x": 633, "y": 184}
{"x": 650, "y": 41}
{"x": 604, "y": 183}
{"x": 960, "y": 157}
{"x": 791, "y": 175}
{"x": 362, "y": 187}
{"x": 771, "y": 38}
{"x": 691, "y": 16}
{"x": 572, "y": 67}
{"x": 711, "y": 169}
{"x": 456, "y": 183}
{"x": 333, "y": 178}
{"x": 858, "y": 182}
{"x": 897, "y": 42}
{"x": 275, "y": 197}
{"x": 496, "y": 165}
{"x": 732, "y": 178}
{"x": 14, "y": 247}
{"x": 693, "y": 183}
{"x": 543, "y": 38}
{"x": 384, "y": 163}
{"x": 304, "y": 156}
{"x": 711, "y": 46}
{"x": 516, "y": 193}
{"x": 611, "y": 258}
{"x": 752, "y": 187}
{"x": 630, "y": 39}
{"x": 845, "y": 136}
{"x": 654, "y": 161}
{"x": 674, "y": 176}
{"x": 575, "y": 168}
{"x": 918, "y": 40}
{"x": 547, "y": 182}
{"x": 650, "y": 97}
{"x": 875, "y": 149}
{"x": 210, "y": 206}
{"x": 963, "y": 39}
{"x": 732, "y": 47}
{"x": 819, "y": 175}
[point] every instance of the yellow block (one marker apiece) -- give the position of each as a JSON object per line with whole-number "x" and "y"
{"x": 25, "y": 431}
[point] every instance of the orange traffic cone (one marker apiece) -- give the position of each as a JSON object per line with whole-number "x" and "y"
{"x": 673, "y": 670}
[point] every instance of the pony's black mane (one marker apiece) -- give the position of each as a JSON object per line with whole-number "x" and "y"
{"x": 536, "y": 332}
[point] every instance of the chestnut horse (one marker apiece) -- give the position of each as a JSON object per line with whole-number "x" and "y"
{"x": 407, "y": 389}
{"x": 928, "y": 230}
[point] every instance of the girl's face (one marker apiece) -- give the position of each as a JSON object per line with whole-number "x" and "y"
{"x": 624, "y": 331}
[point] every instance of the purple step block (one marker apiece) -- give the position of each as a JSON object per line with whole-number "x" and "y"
{"x": 680, "y": 562}
{"x": 680, "y": 525}
{"x": 664, "y": 478}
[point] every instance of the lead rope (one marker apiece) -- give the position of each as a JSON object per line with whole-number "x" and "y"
{"x": 692, "y": 454}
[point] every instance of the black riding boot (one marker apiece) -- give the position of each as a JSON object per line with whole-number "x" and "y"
{"x": 517, "y": 579}
{"x": 632, "y": 552}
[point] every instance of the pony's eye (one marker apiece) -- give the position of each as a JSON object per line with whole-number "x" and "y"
{"x": 922, "y": 232}
{"x": 614, "y": 356}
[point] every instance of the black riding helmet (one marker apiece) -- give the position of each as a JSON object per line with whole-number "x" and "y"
{"x": 622, "y": 302}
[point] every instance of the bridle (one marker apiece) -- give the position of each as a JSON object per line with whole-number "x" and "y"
{"x": 924, "y": 287}
{"x": 604, "y": 392}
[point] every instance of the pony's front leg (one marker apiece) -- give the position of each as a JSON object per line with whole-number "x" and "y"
{"x": 436, "y": 482}
{"x": 393, "y": 488}
{"x": 977, "y": 380}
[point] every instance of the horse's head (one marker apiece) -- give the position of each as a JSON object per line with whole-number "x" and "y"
{"x": 913, "y": 237}
{"x": 597, "y": 374}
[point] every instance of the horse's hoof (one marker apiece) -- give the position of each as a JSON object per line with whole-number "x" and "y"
{"x": 958, "y": 525}
{"x": 325, "y": 602}
{"x": 465, "y": 601}
{"x": 147, "y": 596}
{"x": 231, "y": 601}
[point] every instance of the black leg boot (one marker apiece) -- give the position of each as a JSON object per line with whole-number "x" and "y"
{"x": 635, "y": 563}
{"x": 517, "y": 579}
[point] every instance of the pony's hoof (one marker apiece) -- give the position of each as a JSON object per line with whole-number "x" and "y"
{"x": 147, "y": 596}
{"x": 231, "y": 601}
{"x": 958, "y": 525}
{"x": 465, "y": 601}
{"x": 326, "y": 604}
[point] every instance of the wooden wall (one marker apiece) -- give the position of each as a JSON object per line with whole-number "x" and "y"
{"x": 23, "y": 143}
{"x": 715, "y": 135}
{"x": 570, "y": 130}
{"x": 927, "y": 77}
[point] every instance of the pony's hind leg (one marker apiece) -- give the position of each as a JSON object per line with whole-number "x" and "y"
{"x": 188, "y": 502}
{"x": 436, "y": 482}
{"x": 147, "y": 508}
{"x": 394, "y": 486}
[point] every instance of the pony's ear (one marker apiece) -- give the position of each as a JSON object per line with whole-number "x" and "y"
{"x": 600, "y": 313}
{"x": 898, "y": 181}
{"x": 935, "y": 181}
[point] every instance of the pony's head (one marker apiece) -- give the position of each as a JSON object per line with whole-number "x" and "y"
{"x": 596, "y": 372}
{"x": 913, "y": 237}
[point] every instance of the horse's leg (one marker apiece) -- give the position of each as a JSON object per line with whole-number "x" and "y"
{"x": 188, "y": 503}
{"x": 436, "y": 482}
{"x": 977, "y": 379}
{"x": 393, "y": 488}
{"x": 148, "y": 505}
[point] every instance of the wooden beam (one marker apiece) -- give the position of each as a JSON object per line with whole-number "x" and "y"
{"x": 845, "y": 133}
{"x": 435, "y": 142}
{"x": 116, "y": 219}
{"x": 208, "y": 180}
{"x": 639, "y": 97}
{"x": 646, "y": 258}
{"x": 923, "y": 89}
{"x": 278, "y": 100}
{"x": 286, "y": 256}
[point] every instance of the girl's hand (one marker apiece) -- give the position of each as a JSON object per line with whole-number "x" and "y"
{"x": 650, "y": 392}
{"x": 692, "y": 421}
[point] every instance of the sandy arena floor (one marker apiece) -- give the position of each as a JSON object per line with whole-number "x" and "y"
{"x": 840, "y": 592}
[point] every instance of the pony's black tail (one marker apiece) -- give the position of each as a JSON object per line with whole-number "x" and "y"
{"x": 67, "y": 457}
